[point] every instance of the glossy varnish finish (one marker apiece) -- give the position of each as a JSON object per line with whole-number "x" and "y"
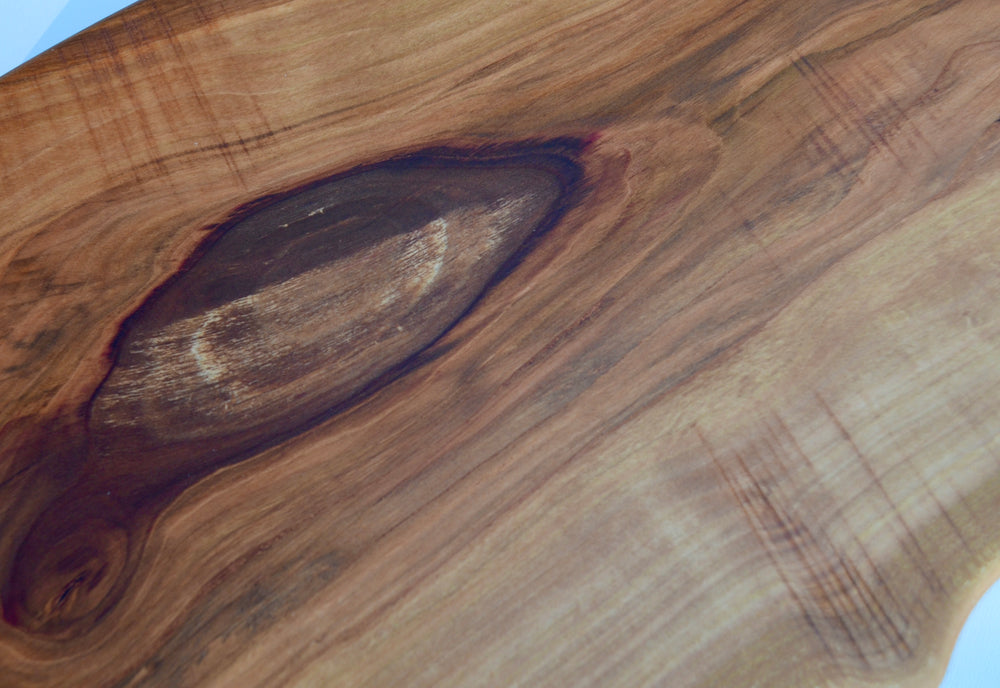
{"x": 662, "y": 350}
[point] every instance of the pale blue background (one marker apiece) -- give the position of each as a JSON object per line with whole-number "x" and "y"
{"x": 28, "y": 27}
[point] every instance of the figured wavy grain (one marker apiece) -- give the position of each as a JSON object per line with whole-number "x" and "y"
{"x": 730, "y": 421}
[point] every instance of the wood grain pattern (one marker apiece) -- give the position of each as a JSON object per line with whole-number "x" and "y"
{"x": 730, "y": 421}
{"x": 285, "y": 314}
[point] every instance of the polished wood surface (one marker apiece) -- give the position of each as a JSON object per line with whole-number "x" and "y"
{"x": 467, "y": 343}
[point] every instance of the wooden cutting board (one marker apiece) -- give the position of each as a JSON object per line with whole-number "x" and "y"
{"x": 460, "y": 343}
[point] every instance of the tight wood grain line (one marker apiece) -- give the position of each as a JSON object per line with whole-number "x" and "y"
{"x": 732, "y": 419}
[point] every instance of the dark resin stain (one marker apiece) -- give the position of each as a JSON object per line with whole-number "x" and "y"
{"x": 285, "y": 314}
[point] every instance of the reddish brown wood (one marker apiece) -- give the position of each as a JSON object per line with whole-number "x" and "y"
{"x": 718, "y": 409}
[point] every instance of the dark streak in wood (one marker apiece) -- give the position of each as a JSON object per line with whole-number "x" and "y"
{"x": 843, "y": 597}
{"x": 922, "y": 562}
